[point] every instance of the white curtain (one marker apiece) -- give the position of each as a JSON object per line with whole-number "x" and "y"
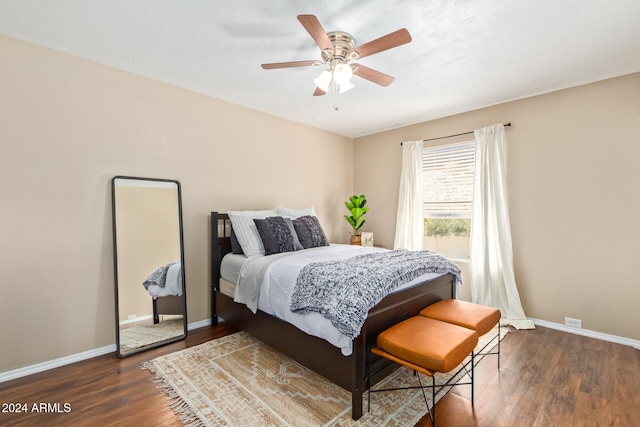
{"x": 493, "y": 278}
{"x": 410, "y": 220}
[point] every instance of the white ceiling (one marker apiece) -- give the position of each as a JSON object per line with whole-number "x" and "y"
{"x": 465, "y": 54}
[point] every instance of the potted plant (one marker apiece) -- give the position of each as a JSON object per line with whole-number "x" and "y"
{"x": 356, "y": 206}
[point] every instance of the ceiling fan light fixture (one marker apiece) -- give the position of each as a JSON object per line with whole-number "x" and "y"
{"x": 345, "y": 87}
{"x": 337, "y": 50}
{"x": 323, "y": 81}
{"x": 342, "y": 74}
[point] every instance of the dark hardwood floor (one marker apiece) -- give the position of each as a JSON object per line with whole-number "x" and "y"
{"x": 547, "y": 378}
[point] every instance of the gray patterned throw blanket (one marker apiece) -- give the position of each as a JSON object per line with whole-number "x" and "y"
{"x": 344, "y": 291}
{"x": 158, "y": 277}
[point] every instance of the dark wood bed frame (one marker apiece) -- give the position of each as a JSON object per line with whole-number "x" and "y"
{"x": 349, "y": 372}
{"x": 167, "y": 305}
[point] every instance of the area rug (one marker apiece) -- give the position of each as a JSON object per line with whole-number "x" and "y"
{"x": 143, "y": 335}
{"x": 237, "y": 380}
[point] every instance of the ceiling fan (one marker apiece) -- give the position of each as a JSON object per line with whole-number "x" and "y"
{"x": 338, "y": 49}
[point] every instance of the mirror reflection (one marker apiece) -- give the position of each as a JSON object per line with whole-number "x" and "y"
{"x": 149, "y": 259}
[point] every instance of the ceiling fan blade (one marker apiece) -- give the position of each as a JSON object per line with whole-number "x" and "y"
{"x": 315, "y": 30}
{"x": 372, "y": 75}
{"x": 319, "y": 92}
{"x": 391, "y": 40}
{"x": 290, "y": 64}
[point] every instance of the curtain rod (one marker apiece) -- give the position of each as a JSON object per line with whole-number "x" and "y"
{"x": 457, "y": 134}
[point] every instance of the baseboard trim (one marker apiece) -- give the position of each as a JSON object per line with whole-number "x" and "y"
{"x": 56, "y": 363}
{"x": 200, "y": 324}
{"x": 73, "y": 358}
{"x": 78, "y": 357}
{"x": 136, "y": 320}
{"x": 587, "y": 333}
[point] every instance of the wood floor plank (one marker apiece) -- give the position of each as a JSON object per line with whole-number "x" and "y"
{"x": 547, "y": 378}
{"x": 105, "y": 390}
{"x": 552, "y": 378}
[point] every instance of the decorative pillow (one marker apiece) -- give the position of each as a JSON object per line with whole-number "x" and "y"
{"x": 235, "y": 245}
{"x": 310, "y": 232}
{"x": 277, "y": 235}
{"x": 246, "y": 231}
{"x": 295, "y": 213}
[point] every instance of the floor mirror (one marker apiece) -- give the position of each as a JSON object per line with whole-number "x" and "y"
{"x": 151, "y": 308}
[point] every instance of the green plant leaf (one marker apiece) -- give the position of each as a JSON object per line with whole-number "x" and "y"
{"x": 356, "y": 206}
{"x": 356, "y": 213}
{"x": 350, "y": 220}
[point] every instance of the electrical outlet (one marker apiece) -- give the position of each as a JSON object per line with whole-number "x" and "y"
{"x": 131, "y": 317}
{"x": 574, "y": 323}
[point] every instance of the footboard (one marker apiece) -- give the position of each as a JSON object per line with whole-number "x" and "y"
{"x": 167, "y": 305}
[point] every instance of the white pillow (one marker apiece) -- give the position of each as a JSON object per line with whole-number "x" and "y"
{"x": 247, "y": 232}
{"x": 295, "y": 213}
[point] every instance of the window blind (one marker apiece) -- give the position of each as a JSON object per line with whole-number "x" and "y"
{"x": 448, "y": 180}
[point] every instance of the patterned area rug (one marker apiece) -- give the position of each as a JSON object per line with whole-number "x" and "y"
{"x": 140, "y": 336}
{"x": 239, "y": 381}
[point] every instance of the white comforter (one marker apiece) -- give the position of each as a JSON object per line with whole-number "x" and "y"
{"x": 173, "y": 283}
{"x": 267, "y": 283}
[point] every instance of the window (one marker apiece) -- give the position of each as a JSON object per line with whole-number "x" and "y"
{"x": 448, "y": 195}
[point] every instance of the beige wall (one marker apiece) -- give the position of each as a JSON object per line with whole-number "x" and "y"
{"x": 572, "y": 175}
{"x": 67, "y": 126}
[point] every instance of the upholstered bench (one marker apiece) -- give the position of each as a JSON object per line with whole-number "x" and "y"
{"x": 428, "y": 346}
{"x": 479, "y": 318}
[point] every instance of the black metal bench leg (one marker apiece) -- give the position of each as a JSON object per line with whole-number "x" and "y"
{"x": 432, "y": 417}
{"x": 472, "y": 375}
{"x": 499, "y": 346}
{"x": 433, "y": 401}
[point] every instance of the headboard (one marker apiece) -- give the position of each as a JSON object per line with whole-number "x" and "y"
{"x": 220, "y": 246}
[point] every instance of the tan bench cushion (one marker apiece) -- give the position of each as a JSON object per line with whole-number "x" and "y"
{"x": 480, "y": 318}
{"x": 432, "y": 344}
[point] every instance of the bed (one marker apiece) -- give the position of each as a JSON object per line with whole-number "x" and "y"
{"x": 347, "y": 371}
{"x": 164, "y": 286}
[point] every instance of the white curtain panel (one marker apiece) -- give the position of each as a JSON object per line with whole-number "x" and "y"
{"x": 410, "y": 220}
{"x": 493, "y": 278}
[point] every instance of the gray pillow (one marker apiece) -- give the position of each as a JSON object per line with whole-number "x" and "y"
{"x": 235, "y": 245}
{"x": 245, "y": 229}
{"x": 278, "y": 235}
{"x": 310, "y": 232}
